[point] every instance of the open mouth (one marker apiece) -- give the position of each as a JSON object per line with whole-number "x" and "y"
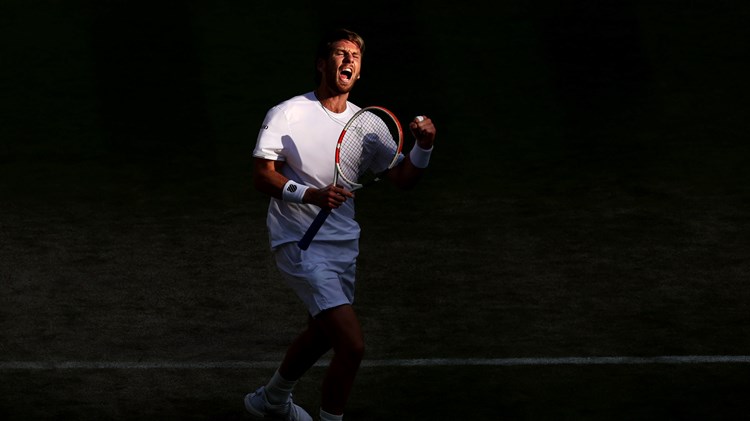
{"x": 347, "y": 73}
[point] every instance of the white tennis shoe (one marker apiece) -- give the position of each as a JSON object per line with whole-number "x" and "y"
{"x": 259, "y": 408}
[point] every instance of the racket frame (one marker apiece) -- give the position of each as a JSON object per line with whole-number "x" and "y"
{"x": 304, "y": 243}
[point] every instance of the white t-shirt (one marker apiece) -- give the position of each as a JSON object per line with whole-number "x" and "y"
{"x": 303, "y": 134}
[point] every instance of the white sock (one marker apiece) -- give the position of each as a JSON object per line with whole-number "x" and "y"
{"x": 278, "y": 389}
{"x": 325, "y": 416}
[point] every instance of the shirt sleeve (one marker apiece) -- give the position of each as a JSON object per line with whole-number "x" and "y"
{"x": 269, "y": 144}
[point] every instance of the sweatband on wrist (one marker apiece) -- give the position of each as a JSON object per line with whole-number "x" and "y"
{"x": 293, "y": 192}
{"x": 420, "y": 157}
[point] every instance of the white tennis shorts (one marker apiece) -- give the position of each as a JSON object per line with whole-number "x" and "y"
{"x": 323, "y": 275}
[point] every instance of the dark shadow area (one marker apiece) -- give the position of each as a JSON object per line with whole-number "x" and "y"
{"x": 599, "y": 67}
{"x": 151, "y": 100}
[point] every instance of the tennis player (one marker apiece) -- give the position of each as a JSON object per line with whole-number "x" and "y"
{"x": 294, "y": 165}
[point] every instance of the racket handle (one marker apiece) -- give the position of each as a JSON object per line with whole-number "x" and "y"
{"x": 304, "y": 243}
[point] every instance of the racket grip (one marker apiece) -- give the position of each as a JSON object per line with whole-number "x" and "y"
{"x": 304, "y": 243}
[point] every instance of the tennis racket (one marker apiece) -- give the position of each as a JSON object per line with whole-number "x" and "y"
{"x": 368, "y": 146}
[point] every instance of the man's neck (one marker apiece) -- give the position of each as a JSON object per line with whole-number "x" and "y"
{"x": 334, "y": 102}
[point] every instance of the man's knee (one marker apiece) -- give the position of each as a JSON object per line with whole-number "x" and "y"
{"x": 352, "y": 351}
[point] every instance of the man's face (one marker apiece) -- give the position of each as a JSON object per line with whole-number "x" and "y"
{"x": 341, "y": 69}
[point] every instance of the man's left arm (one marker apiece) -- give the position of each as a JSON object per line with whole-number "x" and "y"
{"x": 406, "y": 174}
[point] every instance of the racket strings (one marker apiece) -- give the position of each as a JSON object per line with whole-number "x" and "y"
{"x": 366, "y": 148}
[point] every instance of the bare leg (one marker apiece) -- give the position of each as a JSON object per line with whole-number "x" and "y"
{"x": 305, "y": 351}
{"x": 341, "y": 325}
{"x": 336, "y": 328}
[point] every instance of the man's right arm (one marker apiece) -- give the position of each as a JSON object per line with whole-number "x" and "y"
{"x": 268, "y": 179}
